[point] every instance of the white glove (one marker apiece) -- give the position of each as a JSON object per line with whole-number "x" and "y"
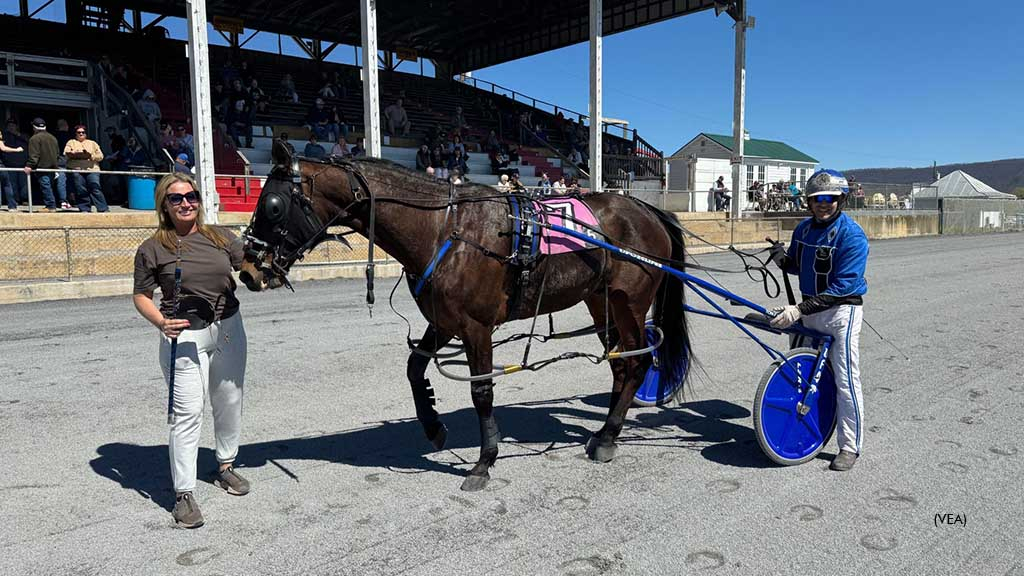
{"x": 785, "y": 316}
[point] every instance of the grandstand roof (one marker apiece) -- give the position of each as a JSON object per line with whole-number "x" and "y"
{"x": 466, "y": 33}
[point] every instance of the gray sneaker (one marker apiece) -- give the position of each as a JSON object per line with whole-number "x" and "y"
{"x": 843, "y": 461}
{"x": 231, "y": 482}
{"x": 186, "y": 512}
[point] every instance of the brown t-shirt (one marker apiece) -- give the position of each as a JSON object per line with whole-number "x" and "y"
{"x": 205, "y": 272}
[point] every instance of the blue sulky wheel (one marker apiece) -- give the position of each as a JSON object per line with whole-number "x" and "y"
{"x": 658, "y": 385}
{"x": 786, "y": 436}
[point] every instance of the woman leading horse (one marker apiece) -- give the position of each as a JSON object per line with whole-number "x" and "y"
{"x": 477, "y": 285}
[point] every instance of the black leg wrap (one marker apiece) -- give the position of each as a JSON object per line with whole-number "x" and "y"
{"x": 423, "y": 397}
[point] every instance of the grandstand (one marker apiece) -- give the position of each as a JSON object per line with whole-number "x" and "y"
{"x": 158, "y": 64}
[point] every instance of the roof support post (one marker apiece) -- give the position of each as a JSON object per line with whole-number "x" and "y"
{"x": 739, "y": 102}
{"x": 23, "y": 8}
{"x": 371, "y": 94}
{"x": 202, "y": 114}
{"x": 596, "y": 96}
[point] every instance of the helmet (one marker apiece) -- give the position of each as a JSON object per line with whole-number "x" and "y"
{"x": 827, "y": 182}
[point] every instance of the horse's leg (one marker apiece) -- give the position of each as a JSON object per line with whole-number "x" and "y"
{"x": 422, "y": 392}
{"x": 479, "y": 354}
{"x": 628, "y": 374}
{"x": 596, "y": 304}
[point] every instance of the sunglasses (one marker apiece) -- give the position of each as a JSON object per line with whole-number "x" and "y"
{"x": 823, "y": 198}
{"x": 176, "y": 199}
{"x": 80, "y": 132}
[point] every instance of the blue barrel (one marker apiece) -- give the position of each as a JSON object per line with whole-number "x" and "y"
{"x": 141, "y": 192}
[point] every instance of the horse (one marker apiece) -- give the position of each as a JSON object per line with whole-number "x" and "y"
{"x": 476, "y": 286}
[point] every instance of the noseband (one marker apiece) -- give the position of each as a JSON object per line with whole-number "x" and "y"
{"x": 295, "y": 229}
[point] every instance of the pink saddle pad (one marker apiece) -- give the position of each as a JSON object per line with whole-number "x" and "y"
{"x": 568, "y": 213}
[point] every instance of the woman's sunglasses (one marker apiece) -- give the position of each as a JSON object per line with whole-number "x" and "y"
{"x": 176, "y": 199}
{"x": 823, "y": 198}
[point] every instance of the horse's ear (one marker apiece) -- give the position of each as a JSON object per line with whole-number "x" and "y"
{"x": 280, "y": 154}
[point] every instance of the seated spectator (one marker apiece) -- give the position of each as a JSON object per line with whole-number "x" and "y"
{"x": 423, "y": 158}
{"x": 458, "y": 122}
{"x": 340, "y": 86}
{"x": 186, "y": 143}
{"x": 574, "y": 186}
{"x": 456, "y": 144}
{"x": 515, "y": 186}
{"x": 283, "y": 137}
{"x": 541, "y": 134}
{"x": 131, "y": 155}
{"x": 326, "y": 89}
{"x": 499, "y": 161}
{"x": 503, "y": 185}
{"x": 219, "y": 102}
{"x": 340, "y": 148}
{"x": 577, "y": 159}
{"x": 258, "y": 96}
{"x": 314, "y": 149}
{"x": 286, "y": 91}
{"x": 457, "y": 161}
{"x": 395, "y": 119}
{"x": 558, "y": 186}
{"x": 229, "y": 73}
{"x": 513, "y": 155}
{"x": 166, "y": 135}
{"x": 338, "y": 117}
{"x": 150, "y": 109}
{"x": 181, "y": 164}
{"x": 239, "y": 117}
{"x": 492, "y": 143}
{"x": 320, "y": 121}
{"x": 359, "y": 150}
{"x": 794, "y": 196}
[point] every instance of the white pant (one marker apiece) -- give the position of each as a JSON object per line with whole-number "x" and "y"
{"x": 843, "y": 323}
{"x": 210, "y": 362}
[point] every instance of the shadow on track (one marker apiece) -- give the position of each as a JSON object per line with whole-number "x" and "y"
{"x": 400, "y": 444}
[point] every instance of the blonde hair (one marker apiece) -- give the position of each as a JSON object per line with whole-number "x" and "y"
{"x": 165, "y": 233}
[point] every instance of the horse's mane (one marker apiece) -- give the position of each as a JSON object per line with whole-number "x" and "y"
{"x": 421, "y": 180}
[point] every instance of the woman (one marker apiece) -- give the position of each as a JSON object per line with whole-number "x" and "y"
{"x": 340, "y": 149}
{"x": 211, "y": 343}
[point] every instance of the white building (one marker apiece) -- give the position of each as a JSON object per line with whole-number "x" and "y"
{"x": 698, "y": 164}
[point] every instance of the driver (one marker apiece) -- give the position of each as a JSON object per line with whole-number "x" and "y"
{"x": 211, "y": 348}
{"x": 829, "y": 252}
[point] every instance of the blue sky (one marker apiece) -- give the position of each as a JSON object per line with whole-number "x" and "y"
{"x": 853, "y": 83}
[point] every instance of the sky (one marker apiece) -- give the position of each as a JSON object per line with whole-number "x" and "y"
{"x": 853, "y": 83}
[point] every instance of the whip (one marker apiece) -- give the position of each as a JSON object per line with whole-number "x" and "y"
{"x": 174, "y": 341}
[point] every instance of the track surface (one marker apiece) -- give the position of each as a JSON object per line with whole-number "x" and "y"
{"x": 344, "y": 483}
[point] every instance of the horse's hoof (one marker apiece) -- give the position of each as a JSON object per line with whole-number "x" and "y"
{"x": 475, "y": 482}
{"x": 600, "y": 452}
{"x": 440, "y": 437}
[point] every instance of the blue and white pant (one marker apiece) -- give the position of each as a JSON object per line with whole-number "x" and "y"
{"x": 843, "y": 323}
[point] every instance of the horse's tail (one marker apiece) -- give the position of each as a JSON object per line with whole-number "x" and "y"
{"x": 675, "y": 352}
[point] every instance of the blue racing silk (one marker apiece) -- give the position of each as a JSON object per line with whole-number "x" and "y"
{"x": 829, "y": 257}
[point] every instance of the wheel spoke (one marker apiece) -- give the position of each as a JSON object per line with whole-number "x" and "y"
{"x": 812, "y": 426}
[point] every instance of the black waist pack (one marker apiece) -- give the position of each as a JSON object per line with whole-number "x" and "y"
{"x": 196, "y": 310}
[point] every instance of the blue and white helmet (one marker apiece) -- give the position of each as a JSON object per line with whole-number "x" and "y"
{"x": 828, "y": 182}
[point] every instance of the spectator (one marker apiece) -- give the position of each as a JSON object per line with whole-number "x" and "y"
{"x": 459, "y": 121}
{"x": 42, "y": 155}
{"x": 503, "y": 185}
{"x": 84, "y": 156}
{"x": 186, "y": 143}
{"x": 320, "y": 121}
{"x": 117, "y": 142}
{"x": 577, "y": 159}
{"x": 258, "y": 96}
{"x": 455, "y": 177}
{"x": 722, "y": 197}
{"x": 794, "y": 196}
{"x": 284, "y": 140}
{"x": 430, "y": 172}
{"x": 339, "y": 85}
{"x": 359, "y": 151}
{"x": 493, "y": 143}
{"x": 18, "y": 181}
{"x": 439, "y": 160}
{"x": 456, "y": 144}
{"x": 229, "y": 73}
{"x": 287, "y": 90}
{"x": 423, "y": 158}
{"x": 120, "y": 77}
{"x": 513, "y": 155}
{"x": 558, "y": 187}
{"x": 150, "y": 109}
{"x": 131, "y": 155}
{"x": 338, "y": 117}
{"x": 10, "y": 195}
{"x": 545, "y": 183}
{"x": 340, "y": 148}
{"x": 514, "y": 184}
{"x": 499, "y": 161}
{"x": 181, "y": 164}
{"x": 435, "y": 134}
{"x": 395, "y": 119}
{"x": 313, "y": 148}
{"x": 63, "y": 133}
{"x": 574, "y": 186}
{"x": 458, "y": 162}
{"x": 326, "y": 88}
{"x": 245, "y": 74}
{"x": 540, "y": 133}
{"x": 240, "y": 115}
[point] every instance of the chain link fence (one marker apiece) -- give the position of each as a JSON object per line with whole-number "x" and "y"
{"x": 67, "y": 253}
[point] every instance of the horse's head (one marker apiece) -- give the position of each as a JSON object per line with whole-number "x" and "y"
{"x": 285, "y": 224}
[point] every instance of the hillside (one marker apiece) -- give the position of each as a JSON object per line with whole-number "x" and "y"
{"x": 1003, "y": 175}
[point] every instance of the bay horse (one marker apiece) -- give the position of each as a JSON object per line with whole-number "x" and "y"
{"x": 475, "y": 287}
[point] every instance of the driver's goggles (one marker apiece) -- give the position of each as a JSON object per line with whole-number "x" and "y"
{"x": 828, "y": 198}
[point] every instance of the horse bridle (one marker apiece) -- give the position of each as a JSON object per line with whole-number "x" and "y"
{"x": 295, "y": 229}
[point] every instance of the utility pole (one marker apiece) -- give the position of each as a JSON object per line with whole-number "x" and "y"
{"x": 738, "y": 10}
